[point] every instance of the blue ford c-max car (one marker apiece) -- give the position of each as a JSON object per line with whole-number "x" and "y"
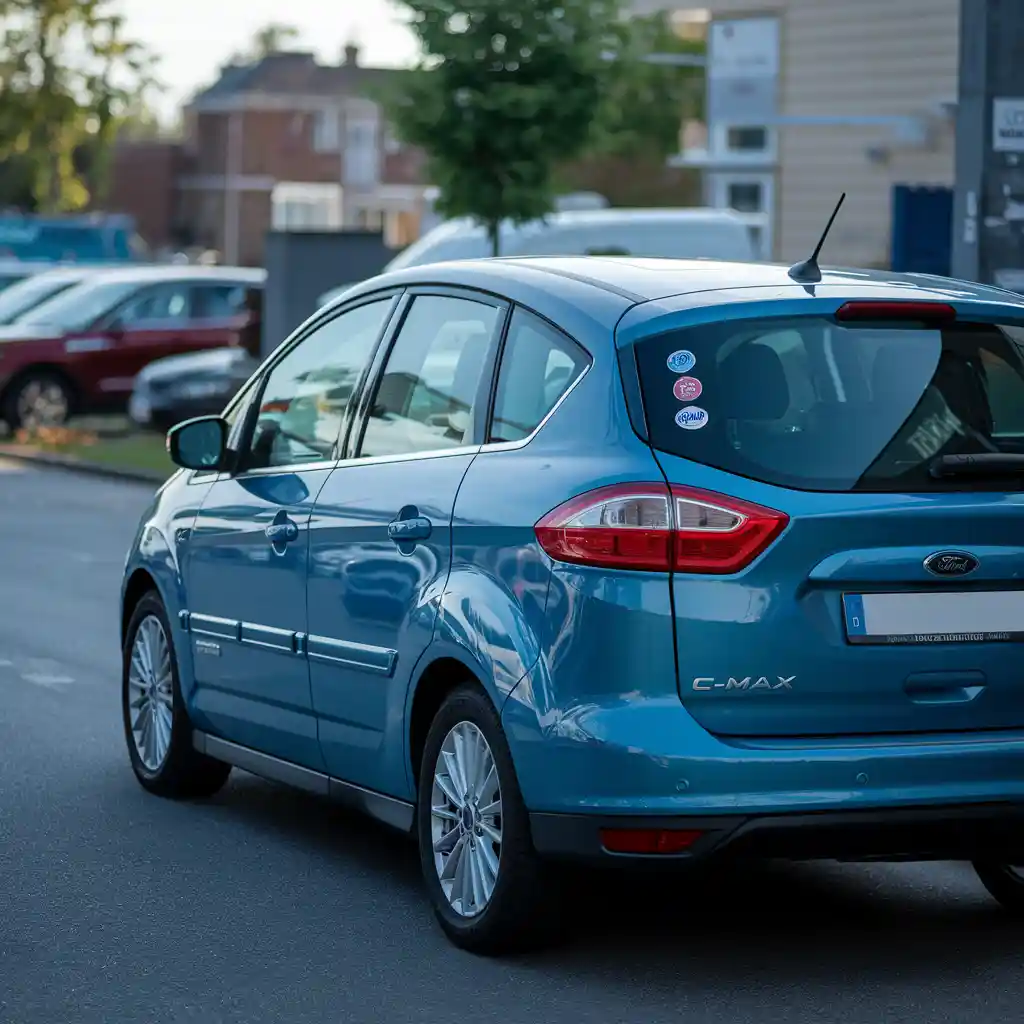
{"x": 631, "y": 561}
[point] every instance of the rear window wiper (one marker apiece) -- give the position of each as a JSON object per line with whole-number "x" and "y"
{"x": 984, "y": 464}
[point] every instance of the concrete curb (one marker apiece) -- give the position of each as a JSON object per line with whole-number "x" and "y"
{"x": 37, "y": 458}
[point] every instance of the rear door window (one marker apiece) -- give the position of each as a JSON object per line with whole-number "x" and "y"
{"x": 815, "y": 405}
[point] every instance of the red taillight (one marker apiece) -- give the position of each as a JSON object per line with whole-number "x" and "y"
{"x": 651, "y": 527}
{"x": 648, "y": 840}
{"x": 921, "y": 312}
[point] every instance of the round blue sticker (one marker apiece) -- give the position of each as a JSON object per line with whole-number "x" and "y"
{"x": 691, "y": 417}
{"x": 681, "y": 361}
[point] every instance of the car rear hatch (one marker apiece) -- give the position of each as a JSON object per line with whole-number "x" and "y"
{"x": 850, "y": 518}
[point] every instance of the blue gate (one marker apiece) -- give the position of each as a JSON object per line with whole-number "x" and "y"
{"x": 922, "y": 229}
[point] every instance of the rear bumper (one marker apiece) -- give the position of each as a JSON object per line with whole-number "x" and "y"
{"x": 953, "y": 832}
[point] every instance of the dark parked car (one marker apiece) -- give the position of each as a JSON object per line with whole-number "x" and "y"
{"x": 81, "y": 350}
{"x": 179, "y": 387}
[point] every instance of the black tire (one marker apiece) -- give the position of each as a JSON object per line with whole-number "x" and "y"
{"x": 1004, "y": 883}
{"x": 184, "y": 773}
{"x": 521, "y": 913}
{"x": 56, "y": 385}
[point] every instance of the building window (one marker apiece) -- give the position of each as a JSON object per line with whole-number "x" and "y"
{"x": 326, "y": 137}
{"x": 306, "y": 206}
{"x": 362, "y": 152}
{"x": 745, "y": 196}
{"x": 746, "y": 140}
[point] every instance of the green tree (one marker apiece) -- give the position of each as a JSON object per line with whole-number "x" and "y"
{"x": 67, "y": 74}
{"x": 275, "y": 37}
{"x": 505, "y": 93}
{"x": 644, "y": 103}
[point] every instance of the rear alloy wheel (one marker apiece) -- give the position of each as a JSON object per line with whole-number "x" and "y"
{"x": 39, "y": 399}
{"x": 487, "y": 885}
{"x": 1005, "y": 883}
{"x": 156, "y": 723}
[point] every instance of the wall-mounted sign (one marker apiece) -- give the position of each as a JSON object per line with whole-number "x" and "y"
{"x": 742, "y": 71}
{"x": 1008, "y": 125}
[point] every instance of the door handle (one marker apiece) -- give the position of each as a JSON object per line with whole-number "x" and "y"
{"x": 283, "y": 532}
{"x": 417, "y": 528}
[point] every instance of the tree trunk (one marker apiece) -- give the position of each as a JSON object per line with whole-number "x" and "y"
{"x": 494, "y": 234}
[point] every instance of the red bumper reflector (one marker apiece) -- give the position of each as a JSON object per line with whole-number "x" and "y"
{"x": 648, "y": 840}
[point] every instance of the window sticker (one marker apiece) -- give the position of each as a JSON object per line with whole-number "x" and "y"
{"x": 691, "y": 417}
{"x": 682, "y": 361}
{"x": 687, "y": 389}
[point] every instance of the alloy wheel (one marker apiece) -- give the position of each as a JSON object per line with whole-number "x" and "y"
{"x": 151, "y": 693}
{"x": 42, "y": 403}
{"x": 465, "y": 820}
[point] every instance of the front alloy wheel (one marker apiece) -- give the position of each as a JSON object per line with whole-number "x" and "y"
{"x": 465, "y": 820}
{"x": 151, "y": 693}
{"x": 156, "y": 723}
{"x": 41, "y": 400}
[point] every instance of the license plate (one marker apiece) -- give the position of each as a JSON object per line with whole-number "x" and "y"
{"x": 934, "y": 618}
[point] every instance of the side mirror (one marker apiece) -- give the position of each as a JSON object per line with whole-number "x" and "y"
{"x": 199, "y": 443}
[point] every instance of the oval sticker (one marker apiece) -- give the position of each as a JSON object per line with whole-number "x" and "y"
{"x": 693, "y": 417}
{"x": 682, "y": 361}
{"x": 686, "y": 389}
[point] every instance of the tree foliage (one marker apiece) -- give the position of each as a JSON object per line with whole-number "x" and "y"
{"x": 644, "y": 103}
{"x": 67, "y": 75}
{"x": 506, "y": 93}
{"x": 275, "y": 37}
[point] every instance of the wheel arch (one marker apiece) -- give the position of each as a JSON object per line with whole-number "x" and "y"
{"x": 441, "y": 670}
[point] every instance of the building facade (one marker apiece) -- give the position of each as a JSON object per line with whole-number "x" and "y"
{"x": 291, "y": 143}
{"x": 807, "y": 99}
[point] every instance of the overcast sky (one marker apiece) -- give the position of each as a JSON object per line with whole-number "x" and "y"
{"x": 194, "y": 37}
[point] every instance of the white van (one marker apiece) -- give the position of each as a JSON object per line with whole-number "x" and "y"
{"x": 674, "y": 233}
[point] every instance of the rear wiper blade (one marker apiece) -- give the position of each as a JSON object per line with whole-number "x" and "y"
{"x": 982, "y": 464}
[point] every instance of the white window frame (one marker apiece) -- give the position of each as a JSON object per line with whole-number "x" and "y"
{"x": 719, "y": 184}
{"x": 327, "y": 130}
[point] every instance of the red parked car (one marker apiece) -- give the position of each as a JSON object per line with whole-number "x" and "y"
{"x": 80, "y": 351}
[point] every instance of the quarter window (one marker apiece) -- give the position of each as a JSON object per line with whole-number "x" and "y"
{"x": 538, "y": 366}
{"x": 307, "y": 394}
{"x": 427, "y": 393}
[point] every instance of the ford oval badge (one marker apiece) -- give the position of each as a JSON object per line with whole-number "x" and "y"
{"x": 951, "y": 563}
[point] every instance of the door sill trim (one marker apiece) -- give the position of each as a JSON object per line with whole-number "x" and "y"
{"x": 398, "y": 814}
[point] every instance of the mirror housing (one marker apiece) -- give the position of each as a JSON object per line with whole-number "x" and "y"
{"x": 199, "y": 443}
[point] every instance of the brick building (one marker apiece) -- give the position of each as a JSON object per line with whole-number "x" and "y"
{"x": 289, "y": 142}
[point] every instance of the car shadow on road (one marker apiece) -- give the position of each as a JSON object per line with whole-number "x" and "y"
{"x": 772, "y": 922}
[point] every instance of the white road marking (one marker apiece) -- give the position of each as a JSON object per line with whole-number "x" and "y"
{"x": 42, "y": 679}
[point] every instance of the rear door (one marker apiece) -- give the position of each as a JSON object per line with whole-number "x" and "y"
{"x": 888, "y": 597}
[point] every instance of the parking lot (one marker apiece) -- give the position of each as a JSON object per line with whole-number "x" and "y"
{"x": 267, "y": 904}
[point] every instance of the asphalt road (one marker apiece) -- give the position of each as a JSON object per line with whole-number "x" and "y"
{"x": 264, "y": 905}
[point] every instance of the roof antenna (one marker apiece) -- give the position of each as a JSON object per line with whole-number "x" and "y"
{"x": 808, "y": 272}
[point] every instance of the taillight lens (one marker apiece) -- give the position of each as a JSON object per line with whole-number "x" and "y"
{"x": 715, "y": 534}
{"x": 651, "y": 527}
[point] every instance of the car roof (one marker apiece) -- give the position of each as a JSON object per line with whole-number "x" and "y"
{"x": 636, "y": 280}
{"x": 179, "y": 272}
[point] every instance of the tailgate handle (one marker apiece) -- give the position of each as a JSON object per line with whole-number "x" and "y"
{"x": 944, "y": 687}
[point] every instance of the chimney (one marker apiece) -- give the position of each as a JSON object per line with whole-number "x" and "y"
{"x": 352, "y": 55}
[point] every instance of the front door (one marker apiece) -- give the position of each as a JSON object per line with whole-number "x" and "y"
{"x": 248, "y": 554}
{"x": 380, "y": 536}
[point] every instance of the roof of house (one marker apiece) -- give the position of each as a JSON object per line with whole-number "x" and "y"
{"x": 295, "y": 73}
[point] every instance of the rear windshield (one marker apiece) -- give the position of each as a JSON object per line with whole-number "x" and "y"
{"x": 809, "y": 404}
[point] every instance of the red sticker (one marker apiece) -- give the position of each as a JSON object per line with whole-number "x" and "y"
{"x": 686, "y": 389}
